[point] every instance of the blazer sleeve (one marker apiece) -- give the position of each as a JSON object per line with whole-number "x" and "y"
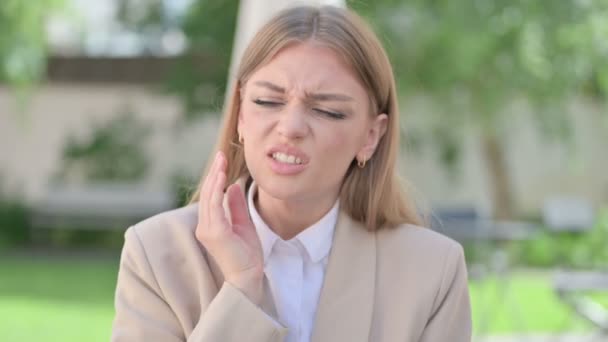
{"x": 142, "y": 314}
{"x": 450, "y": 320}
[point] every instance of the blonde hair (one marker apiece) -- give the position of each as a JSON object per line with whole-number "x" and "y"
{"x": 372, "y": 194}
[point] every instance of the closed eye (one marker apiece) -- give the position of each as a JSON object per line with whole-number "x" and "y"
{"x": 333, "y": 115}
{"x": 272, "y": 104}
{"x": 264, "y": 103}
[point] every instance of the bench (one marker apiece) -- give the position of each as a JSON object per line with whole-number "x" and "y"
{"x": 575, "y": 215}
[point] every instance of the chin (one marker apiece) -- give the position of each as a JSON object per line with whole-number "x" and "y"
{"x": 282, "y": 188}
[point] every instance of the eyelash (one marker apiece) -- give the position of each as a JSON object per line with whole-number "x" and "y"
{"x": 266, "y": 103}
{"x": 271, "y": 104}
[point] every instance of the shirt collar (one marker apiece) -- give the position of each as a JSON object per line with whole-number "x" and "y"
{"x": 316, "y": 239}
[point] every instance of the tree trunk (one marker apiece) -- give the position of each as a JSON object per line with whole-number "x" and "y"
{"x": 251, "y": 16}
{"x": 498, "y": 177}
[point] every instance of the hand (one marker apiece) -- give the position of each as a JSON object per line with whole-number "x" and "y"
{"x": 235, "y": 246}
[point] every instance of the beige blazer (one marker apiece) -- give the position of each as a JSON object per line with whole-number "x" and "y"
{"x": 407, "y": 284}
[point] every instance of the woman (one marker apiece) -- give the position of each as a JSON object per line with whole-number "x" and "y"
{"x": 299, "y": 231}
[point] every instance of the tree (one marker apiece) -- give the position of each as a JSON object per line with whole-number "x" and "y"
{"x": 23, "y": 48}
{"x": 210, "y": 28}
{"x": 199, "y": 77}
{"x": 474, "y": 57}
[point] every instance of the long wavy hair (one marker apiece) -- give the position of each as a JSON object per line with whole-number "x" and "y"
{"x": 372, "y": 195}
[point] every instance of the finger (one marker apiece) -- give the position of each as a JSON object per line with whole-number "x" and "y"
{"x": 217, "y": 216}
{"x": 237, "y": 205}
{"x": 219, "y": 168}
{"x": 212, "y": 176}
{"x": 205, "y": 193}
{"x": 217, "y": 192}
{"x": 216, "y": 210}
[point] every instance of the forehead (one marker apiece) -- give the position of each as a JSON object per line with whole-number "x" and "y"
{"x": 310, "y": 66}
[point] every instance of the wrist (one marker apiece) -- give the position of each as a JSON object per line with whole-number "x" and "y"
{"x": 251, "y": 287}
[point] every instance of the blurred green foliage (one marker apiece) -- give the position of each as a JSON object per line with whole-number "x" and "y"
{"x": 586, "y": 249}
{"x": 183, "y": 185}
{"x": 482, "y": 53}
{"x": 114, "y": 152}
{"x": 73, "y": 238}
{"x": 14, "y": 224}
{"x": 473, "y": 58}
{"x": 210, "y": 27}
{"x": 198, "y": 78}
{"x": 23, "y": 48}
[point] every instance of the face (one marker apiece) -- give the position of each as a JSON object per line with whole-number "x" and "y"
{"x": 304, "y": 117}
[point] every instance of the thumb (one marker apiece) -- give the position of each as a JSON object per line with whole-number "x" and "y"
{"x": 239, "y": 214}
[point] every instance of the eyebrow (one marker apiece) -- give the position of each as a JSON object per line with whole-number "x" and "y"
{"x": 313, "y": 96}
{"x": 271, "y": 86}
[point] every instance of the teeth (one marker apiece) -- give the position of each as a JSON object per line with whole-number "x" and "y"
{"x": 285, "y": 158}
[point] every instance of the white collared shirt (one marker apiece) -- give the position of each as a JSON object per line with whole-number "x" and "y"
{"x": 295, "y": 269}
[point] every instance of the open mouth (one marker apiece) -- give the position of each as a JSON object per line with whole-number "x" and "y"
{"x": 286, "y": 158}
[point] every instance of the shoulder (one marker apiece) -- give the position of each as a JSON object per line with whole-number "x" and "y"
{"x": 410, "y": 239}
{"x": 419, "y": 272}
{"x": 417, "y": 260}
{"x": 410, "y": 250}
{"x": 167, "y": 237}
{"x": 162, "y": 254}
{"x": 167, "y": 244}
{"x": 167, "y": 225}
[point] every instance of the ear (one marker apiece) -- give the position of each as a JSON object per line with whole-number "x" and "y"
{"x": 240, "y": 93}
{"x": 240, "y": 121}
{"x": 374, "y": 133}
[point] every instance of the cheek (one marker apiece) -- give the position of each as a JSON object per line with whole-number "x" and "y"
{"x": 338, "y": 141}
{"x": 340, "y": 145}
{"x": 252, "y": 121}
{"x": 245, "y": 115}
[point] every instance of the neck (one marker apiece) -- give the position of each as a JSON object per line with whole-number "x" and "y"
{"x": 288, "y": 218}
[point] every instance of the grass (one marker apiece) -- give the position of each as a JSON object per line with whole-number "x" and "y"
{"x": 56, "y": 300}
{"x": 60, "y": 299}
{"x": 525, "y": 303}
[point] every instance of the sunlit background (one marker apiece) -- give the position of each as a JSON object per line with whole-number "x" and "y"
{"x": 109, "y": 110}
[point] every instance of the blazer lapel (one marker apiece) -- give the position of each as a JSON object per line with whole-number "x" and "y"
{"x": 345, "y": 308}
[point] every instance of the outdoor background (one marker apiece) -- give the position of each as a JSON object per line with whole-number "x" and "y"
{"x": 109, "y": 110}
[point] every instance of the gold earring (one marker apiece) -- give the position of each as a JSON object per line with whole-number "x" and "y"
{"x": 361, "y": 164}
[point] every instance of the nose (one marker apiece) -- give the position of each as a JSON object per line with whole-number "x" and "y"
{"x": 292, "y": 123}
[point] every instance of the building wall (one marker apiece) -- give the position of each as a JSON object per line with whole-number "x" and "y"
{"x": 540, "y": 166}
{"x": 31, "y": 141}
